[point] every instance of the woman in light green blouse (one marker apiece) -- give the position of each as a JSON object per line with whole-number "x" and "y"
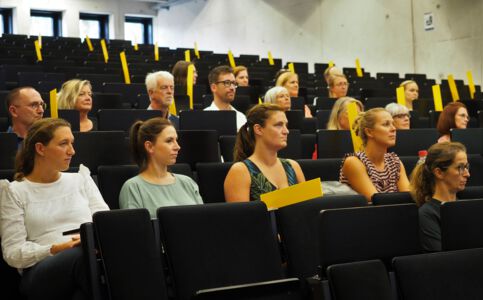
{"x": 154, "y": 147}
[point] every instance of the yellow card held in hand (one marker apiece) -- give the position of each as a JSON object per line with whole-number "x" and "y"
{"x": 438, "y": 102}
{"x": 156, "y": 52}
{"x": 89, "y": 44}
{"x": 352, "y": 111}
{"x": 293, "y": 194}
{"x": 358, "y": 68}
{"x": 104, "y": 51}
{"x": 37, "y": 50}
{"x": 125, "y": 70}
{"x": 189, "y": 83}
{"x": 187, "y": 56}
{"x": 231, "y": 59}
{"x": 401, "y": 98}
{"x": 270, "y": 59}
{"x": 471, "y": 84}
{"x": 453, "y": 89}
{"x": 172, "y": 108}
{"x": 197, "y": 52}
{"x": 331, "y": 64}
{"x": 54, "y": 112}
{"x": 291, "y": 67}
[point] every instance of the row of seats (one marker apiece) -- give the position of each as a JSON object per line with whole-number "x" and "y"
{"x": 216, "y": 247}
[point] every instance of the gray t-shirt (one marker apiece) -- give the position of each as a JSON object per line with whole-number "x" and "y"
{"x": 138, "y": 193}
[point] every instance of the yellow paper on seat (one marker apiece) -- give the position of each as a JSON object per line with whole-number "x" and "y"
{"x": 104, "y": 51}
{"x": 471, "y": 84}
{"x": 453, "y": 89}
{"x": 291, "y": 67}
{"x": 231, "y": 59}
{"x": 189, "y": 83}
{"x": 293, "y": 194}
{"x": 358, "y": 68}
{"x": 54, "y": 112}
{"x": 156, "y": 52}
{"x": 187, "y": 56}
{"x": 270, "y": 59}
{"x": 438, "y": 101}
{"x": 37, "y": 50}
{"x": 352, "y": 115}
{"x": 197, "y": 52}
{"x": 125, "y": 70}
{"x": 401, "y": 98}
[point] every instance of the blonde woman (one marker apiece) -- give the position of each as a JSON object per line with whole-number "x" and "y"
{"x": 411, "y": 92}
{"x": 338, "y": 86}
{"x": 77, "y": 94}
{"x": 374, "y": 170}
{"x": 339, "y": 118}
{"x": 290, "y": 81}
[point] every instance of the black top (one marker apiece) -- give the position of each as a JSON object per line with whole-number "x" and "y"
{"x": 430, "y": 226}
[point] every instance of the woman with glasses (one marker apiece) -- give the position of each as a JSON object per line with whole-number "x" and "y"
{"x": 400, "y": 115}
{"x": 40, "y": 206}
{"x": 338, "y": 86}
{"x": 443, "y": 173}
{"x": 454, "y": 115}
{"x": 290, "y": 81}
{"x": 77, "y": 94}
{"x": 280, "y": 96}
{"x": 339, "y": 118}
{"x": 374, "y": 170}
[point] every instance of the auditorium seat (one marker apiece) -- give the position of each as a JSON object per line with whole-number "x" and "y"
{"x": 333, "y": 143}
{"x": 461, "y": 224}
{"x": 211, "y": 178}
{"x": 440, "y": 276}
{"x": 8, "y": 150}
{"x": 472, "y": 138}
{"x": 218, "y": 245}
{"x": 136, "y": 272}
{"x": 360, "y": 280}
{"x": 391, "y": 198}
{"x": 123, "y": 119}
{"x": 364, "y": 233}
{"x": 410, "y": 142}
{"x": 224, "y": 122}
{"x": 198, "y": 146}
{"x": 298, "y": 226}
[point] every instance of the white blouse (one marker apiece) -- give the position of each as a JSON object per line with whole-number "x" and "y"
{"x": 34, "y": 215}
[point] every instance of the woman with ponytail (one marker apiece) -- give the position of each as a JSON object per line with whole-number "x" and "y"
{"x": 444, "y": 172}
{"x": 258, "y": 170}
{"x": 154, "y": 147}
{"x": 374, "y": 170}
{"x": 39, "y": 206}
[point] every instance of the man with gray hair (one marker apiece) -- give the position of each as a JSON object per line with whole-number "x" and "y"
{"x": 160, "y": 87}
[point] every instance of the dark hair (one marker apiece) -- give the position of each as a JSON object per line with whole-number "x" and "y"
{"x": 180, "y": 72}
{"x": 245, "y": 138}
{"x": 141, "y": 132}
{"x": 446, "y": 119}
{"x": 216, "y": 72}
{"x": 41, "y": 131}
{"x": 440, "y": 155}
{"x": 13, "y": 95}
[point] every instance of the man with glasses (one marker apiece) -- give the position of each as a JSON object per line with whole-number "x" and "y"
{"x": 160, "y": 87}
{"x": 25, "y": 106}
{"x": 223, "y": 86}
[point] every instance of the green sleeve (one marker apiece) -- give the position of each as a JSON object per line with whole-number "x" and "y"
{"x": 130, "y": 195}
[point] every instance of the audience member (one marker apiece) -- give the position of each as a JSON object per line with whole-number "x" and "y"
{"x": 338, "y": 86}
{"x": 411, "y": 92}
{"x": 374, "y": 170}
{"x": 25, "y": 106}
{"x": 77, "y": 94}
{"x": 180, "y": 72}
{"x": 278, "y": 95}
{"x": 454, "y": 115}
{"x": 223, "y": 86}
{"x": 400, "y": 115}
{"x": 154, "y": 145}
{"x": 331, "y": 71}
{"x": 444, "y": 172}
{"x": 258, "y": 170}
{"x": 241, "y": 75}
{"x": 160, "y": 87}
{"x": 339, "y": 117}
{"x": 290, "y": 81}
{"x": 41, "y": 204}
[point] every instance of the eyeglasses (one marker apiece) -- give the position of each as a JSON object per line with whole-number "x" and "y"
{"x": 462, "y": 168}
{"x": 228, "y": 83}
{"x": 35, "y": 105}
{"x": 465, "y": 116}
{"x": 401, "y": 116}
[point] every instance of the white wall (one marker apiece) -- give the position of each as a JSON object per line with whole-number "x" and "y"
{"x": 71, "y": 9}
{"x": 455, "y": 45}
{"x": 303, "y": 30}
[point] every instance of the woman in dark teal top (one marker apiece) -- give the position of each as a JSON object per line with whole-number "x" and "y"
{"x": 443, "y": 173}
{"x": 258, "y": 170}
